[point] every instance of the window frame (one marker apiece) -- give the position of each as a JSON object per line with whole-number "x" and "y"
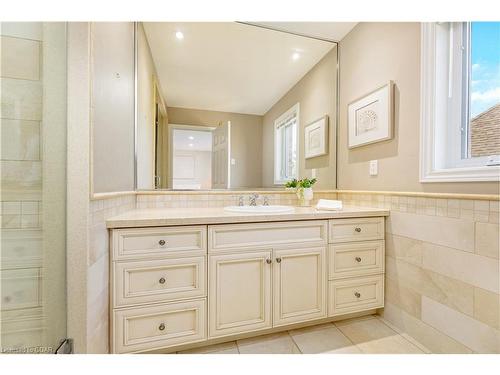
{"x": 440, "y": 143}
{"x": 278, "y": 140}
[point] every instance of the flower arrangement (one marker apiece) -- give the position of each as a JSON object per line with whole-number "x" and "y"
{"x": 303, "y": 189}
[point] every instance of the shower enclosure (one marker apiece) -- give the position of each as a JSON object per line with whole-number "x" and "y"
{"x": 33, "y": 187}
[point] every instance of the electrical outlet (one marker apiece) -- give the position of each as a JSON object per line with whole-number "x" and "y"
{"x": 373, "y": 167}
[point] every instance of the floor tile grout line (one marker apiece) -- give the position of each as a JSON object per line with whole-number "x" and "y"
{"x": 349, "y": 339}
{"x": 294, "y": 342}
{"x": 343, "y": 334}
{"x": 382, "y": 320}
{"x": 237, "y": 347}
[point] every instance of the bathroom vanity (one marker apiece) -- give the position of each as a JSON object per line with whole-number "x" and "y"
{"x": 181, "y": 277}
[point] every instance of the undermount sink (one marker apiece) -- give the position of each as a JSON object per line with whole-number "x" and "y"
{"x": 271, "y": 209}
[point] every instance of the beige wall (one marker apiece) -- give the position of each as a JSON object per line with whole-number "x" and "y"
{"x": 371, "y": 55}
{"x": 316, "y": 93}
{"x": 112, "y": 106}
{"x": 246, "y": 137}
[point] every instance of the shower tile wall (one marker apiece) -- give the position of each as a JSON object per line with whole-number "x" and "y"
{"x": 22, "y": 321}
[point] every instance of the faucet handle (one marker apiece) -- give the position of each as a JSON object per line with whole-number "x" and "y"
{"x": 253, "y": 199}
{"x": 266, "y": 201}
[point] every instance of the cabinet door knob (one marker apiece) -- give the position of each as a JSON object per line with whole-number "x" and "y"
{"x": 269, "y": 261}
{"x": 357, "y": 229}
{"x": 161, "y": 327}
{"x": 358, "y": 259}
{"x": 162, "y": 242}
{"x": 278, "y": 260}
{"x": 162, "y": 280}
{"x": 357, "y": 294}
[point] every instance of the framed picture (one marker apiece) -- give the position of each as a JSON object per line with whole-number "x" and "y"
{"x": 316, "y": 138}
{"x": 370, "y": 118}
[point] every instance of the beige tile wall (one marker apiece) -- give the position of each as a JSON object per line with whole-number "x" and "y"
{"x": 98, "y": 269}
{"x": 442, "y": 270}
{"x": 22, "y": 321}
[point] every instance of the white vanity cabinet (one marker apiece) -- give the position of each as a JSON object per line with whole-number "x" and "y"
{"x": 356, "y": 257}
{"x": 158, "y": 287}
{"x": 182, "y": 285}
{"x": 266, "y": 275}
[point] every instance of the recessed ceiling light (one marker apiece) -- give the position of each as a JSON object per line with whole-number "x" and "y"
{"x": 191, "y": 137}
{"x": 190, "y": 145}
{"x": 179, "y": 35}
{"x": 295, "y": 55}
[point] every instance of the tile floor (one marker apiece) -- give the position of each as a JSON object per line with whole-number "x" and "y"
{"x": 370, "y": 335}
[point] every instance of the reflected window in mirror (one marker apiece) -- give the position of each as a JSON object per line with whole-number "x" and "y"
{"x": 286, "y": 146}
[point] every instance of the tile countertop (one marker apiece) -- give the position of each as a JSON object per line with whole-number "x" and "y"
{"x": 153, "y": 217}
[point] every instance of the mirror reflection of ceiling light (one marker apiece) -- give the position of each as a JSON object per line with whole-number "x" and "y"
{"x": 295, "y": 55}
{"x": 191, "y": 137}
{"x": 190, "y": 145}
{"x": 179, "y": 35}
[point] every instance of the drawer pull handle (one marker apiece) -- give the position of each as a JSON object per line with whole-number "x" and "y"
{"x": 278, "y": 260}
{"x": 357, "y": 229}
{"x": 162, "y": 242}
{"x": 162, "y": 280}
{"x": 162, "y": 327}
{"x": 357, "y": 294}
{"x": 358, "y": 259}
{"x": 269, "y": 261}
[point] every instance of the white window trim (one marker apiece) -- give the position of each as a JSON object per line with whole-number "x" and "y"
{"x": 296, "y": 109}
{"x": 428, "y": 126}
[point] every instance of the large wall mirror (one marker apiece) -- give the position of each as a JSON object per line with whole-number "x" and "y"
{"x": 233, "y": 106}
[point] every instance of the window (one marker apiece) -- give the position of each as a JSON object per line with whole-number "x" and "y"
{"x": 286, "y": 146}
{"x": 460, "y": 97}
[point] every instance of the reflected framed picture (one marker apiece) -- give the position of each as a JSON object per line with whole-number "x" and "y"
{"x": 370, "y": 118}
{"x": 316, "y": 138}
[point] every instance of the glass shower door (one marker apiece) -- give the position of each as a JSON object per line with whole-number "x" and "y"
{"x": 33, "y": 187}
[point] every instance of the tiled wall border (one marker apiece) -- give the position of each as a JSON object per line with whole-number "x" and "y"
{"x": 488, "y": 197}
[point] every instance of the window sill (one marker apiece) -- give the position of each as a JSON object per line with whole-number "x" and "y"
{"x": 469, "y": 174}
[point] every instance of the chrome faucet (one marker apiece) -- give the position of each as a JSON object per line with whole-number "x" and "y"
{"x": 253, "y": 199}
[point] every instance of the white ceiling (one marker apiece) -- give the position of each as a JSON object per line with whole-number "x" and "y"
{"x": 227, "y": 66}
{"x": 327, "y": 30}
{"x": 192, "y": 140}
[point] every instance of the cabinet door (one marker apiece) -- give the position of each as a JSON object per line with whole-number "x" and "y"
{"x": 239, "y": 293}
{"x": 299, "y": 285}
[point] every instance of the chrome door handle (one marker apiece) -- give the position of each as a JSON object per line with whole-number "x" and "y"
{"x": 162, "y": 280}
{"x": 357, "y": 229}
{"x": 161, "y": 327}
{"x": 269, "y": 261}
{"x": 278, "y": 260}
{"x": 357, "y": 294}
{"x": 161, "y": 242}
{"x": 358, "y": 259}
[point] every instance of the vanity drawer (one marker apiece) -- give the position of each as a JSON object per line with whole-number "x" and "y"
{"x": 158, "y": 242}
{"x": 154, "y": 327}
{"x": 159, "y": 280}
{"x": 363, "y": 229}
{"x": 356, "y": 294}
{"x": 266, "y": 235}
{"x": 355, "y": 259}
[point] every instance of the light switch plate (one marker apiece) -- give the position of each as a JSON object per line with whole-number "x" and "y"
{"x": 373, "y": 167}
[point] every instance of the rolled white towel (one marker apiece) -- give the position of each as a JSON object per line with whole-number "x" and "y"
{"x": 329, "y": 205}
